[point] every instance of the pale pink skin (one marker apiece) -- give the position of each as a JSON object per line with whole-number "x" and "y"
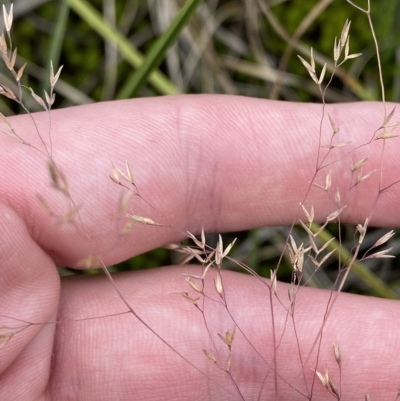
{"x": 225, "y": 163}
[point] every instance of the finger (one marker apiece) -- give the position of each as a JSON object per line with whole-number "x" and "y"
{"x": 225, "y": 163}
{"x": 29, "y": 290}
{"x": 97, "y": 359}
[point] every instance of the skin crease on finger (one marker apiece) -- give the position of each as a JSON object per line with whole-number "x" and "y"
{"x": 225, "y": 163}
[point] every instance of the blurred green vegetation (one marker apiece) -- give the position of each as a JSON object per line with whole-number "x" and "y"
{"x": 116, "y": 49}
{"x": 228, "y": 46}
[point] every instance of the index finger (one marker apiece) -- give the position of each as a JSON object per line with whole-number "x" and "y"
{"x": 225, "y": 163}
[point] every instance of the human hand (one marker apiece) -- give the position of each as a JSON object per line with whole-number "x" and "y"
{"x": 225, "y": 163}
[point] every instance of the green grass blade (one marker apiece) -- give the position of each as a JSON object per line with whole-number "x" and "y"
{"x": 56, "y": 42}
{"x": 92, "y": 17}
{"x": 158, "y": 50}
{"x": 371, "y": 279}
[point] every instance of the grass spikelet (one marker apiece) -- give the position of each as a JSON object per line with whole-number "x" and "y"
{"x": 336, "y": 351}
{"x": 8, "y": 17}
{"x": 228, "y": 338}
{"x": 218, "y": 285}
{"x": 142, "y": 220}
{"x": 210, "y": 356}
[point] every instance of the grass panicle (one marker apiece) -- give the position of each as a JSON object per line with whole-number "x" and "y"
{"x": 308, "y": 248}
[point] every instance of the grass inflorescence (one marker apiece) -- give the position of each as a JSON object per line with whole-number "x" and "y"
{"x": 307, "y": 249}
